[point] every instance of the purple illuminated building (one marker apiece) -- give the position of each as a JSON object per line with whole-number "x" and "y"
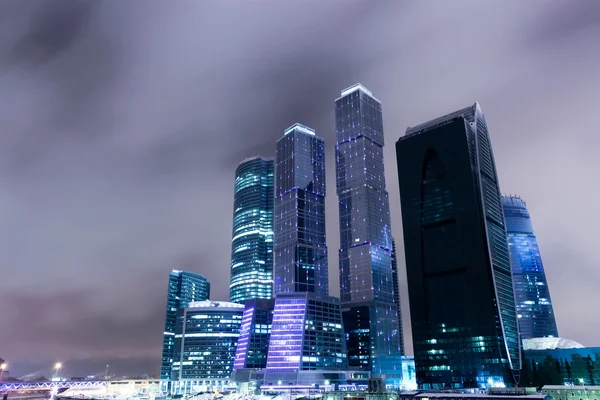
{"x": 253, "y": 344}
{"x": 307, "y": 342}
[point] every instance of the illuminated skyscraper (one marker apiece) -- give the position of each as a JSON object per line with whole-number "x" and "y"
{"x": 463, "y": 314}
{"x": 252, "y": 242}
{"x": 366, "y": 276}
{"x": 532, "y": 296}
{"x": 300, "y": 248}
{"x": 307, "y": 336}
{"x": 184, "y": 288}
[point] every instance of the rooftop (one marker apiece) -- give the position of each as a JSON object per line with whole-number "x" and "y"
{"x": 213, "y": 304}
{"x": 300, "y": 128}
{"x": 467, "y": 113}
{"x": 357, "y": 87}
{"x": 550, "y": 343}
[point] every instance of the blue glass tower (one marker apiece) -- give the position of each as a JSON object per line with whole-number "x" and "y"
{"x": 463, "y": 315}
{"x": 366, "y": 277}
{"x": 184, "y": 288}
{"x": 532, "y": 296}
{"x": 252, "y": 237}
{"x": 300, "y": 248}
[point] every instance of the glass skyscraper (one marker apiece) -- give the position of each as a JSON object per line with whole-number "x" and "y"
{"x": 184, "y": 288}
{"x": 252, "y": 237}
{"x": 206, "y": 338}
{"x": 307, "y": 344}
{"x": 300, "y": 248}
{"x": 534, "y": 307}
{"x": 366, "y": 277}
{"x": 463, "y": 313}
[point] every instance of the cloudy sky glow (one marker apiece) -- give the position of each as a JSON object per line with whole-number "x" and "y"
{"x": 122, "y": 123}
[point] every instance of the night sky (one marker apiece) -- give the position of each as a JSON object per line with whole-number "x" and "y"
{"x": 122, "y": 123}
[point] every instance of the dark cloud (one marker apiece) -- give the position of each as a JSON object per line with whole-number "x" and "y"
{"x": 562, "y": 19}
{"x": 53, "y": 30}
{"x": 122, "y": 126}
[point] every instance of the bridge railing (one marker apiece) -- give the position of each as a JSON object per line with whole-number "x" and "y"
{"x": 14, "y": 386}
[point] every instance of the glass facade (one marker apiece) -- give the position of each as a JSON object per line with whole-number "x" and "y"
{"x": 396, "y": 280}
{"x": 300, "y": 248}
{"x": 206, "y": 337}
{"x": 532, "y": 296}
{"x": 307, "y": 335}
{"x": 559, "y": 362}
{"x": 184, "y": 288}
{"x": 366, "y": 275}
{"x": 252, "y": 237}
{"x": 255, "y": 335}
{"x": 463, "y": 313}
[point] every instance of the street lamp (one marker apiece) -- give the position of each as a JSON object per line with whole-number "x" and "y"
{"x": 57, "y": 366}
{"x": 2, "y": 368}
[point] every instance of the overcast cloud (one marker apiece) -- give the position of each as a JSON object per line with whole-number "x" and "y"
{"x": 122, "y": 123}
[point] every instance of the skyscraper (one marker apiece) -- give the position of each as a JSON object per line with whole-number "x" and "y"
{"x": 252, "y": 237}
{"x": 366, "y": 276}
{"x": 463, "y": 315}
{"x": 534, "y": 307}
{"x": 300, "y": 248}
{"x": 184, "y": 288}
{"x": 307, "y": 336}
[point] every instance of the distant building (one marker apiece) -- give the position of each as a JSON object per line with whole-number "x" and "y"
{"x": 558, "y": 361}
{"x": 184, "y": 287}
{"x": 367, "y": 279}
{"x": 307, "y": 341}
{"x": 253, "y": 344}
{"x": 463, "y": 315}
{"x": 532, "y": 296}
{"x": 252, "y": 236}
{"x": 206, "y": 337}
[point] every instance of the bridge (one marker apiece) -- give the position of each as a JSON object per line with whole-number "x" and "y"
{"x": 49, "y": 386}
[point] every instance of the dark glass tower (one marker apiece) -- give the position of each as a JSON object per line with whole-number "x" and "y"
{"x": 366, "y": 276}
{"x": 184, "y": 288}
{"x": 300, "y": 249}
{"x": 462, "y": 303}
{"x": 252, "y": 237}
{"x": 532, "y": 296}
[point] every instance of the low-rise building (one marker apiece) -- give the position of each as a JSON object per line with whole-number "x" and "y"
{"x": 206, "y": 338}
